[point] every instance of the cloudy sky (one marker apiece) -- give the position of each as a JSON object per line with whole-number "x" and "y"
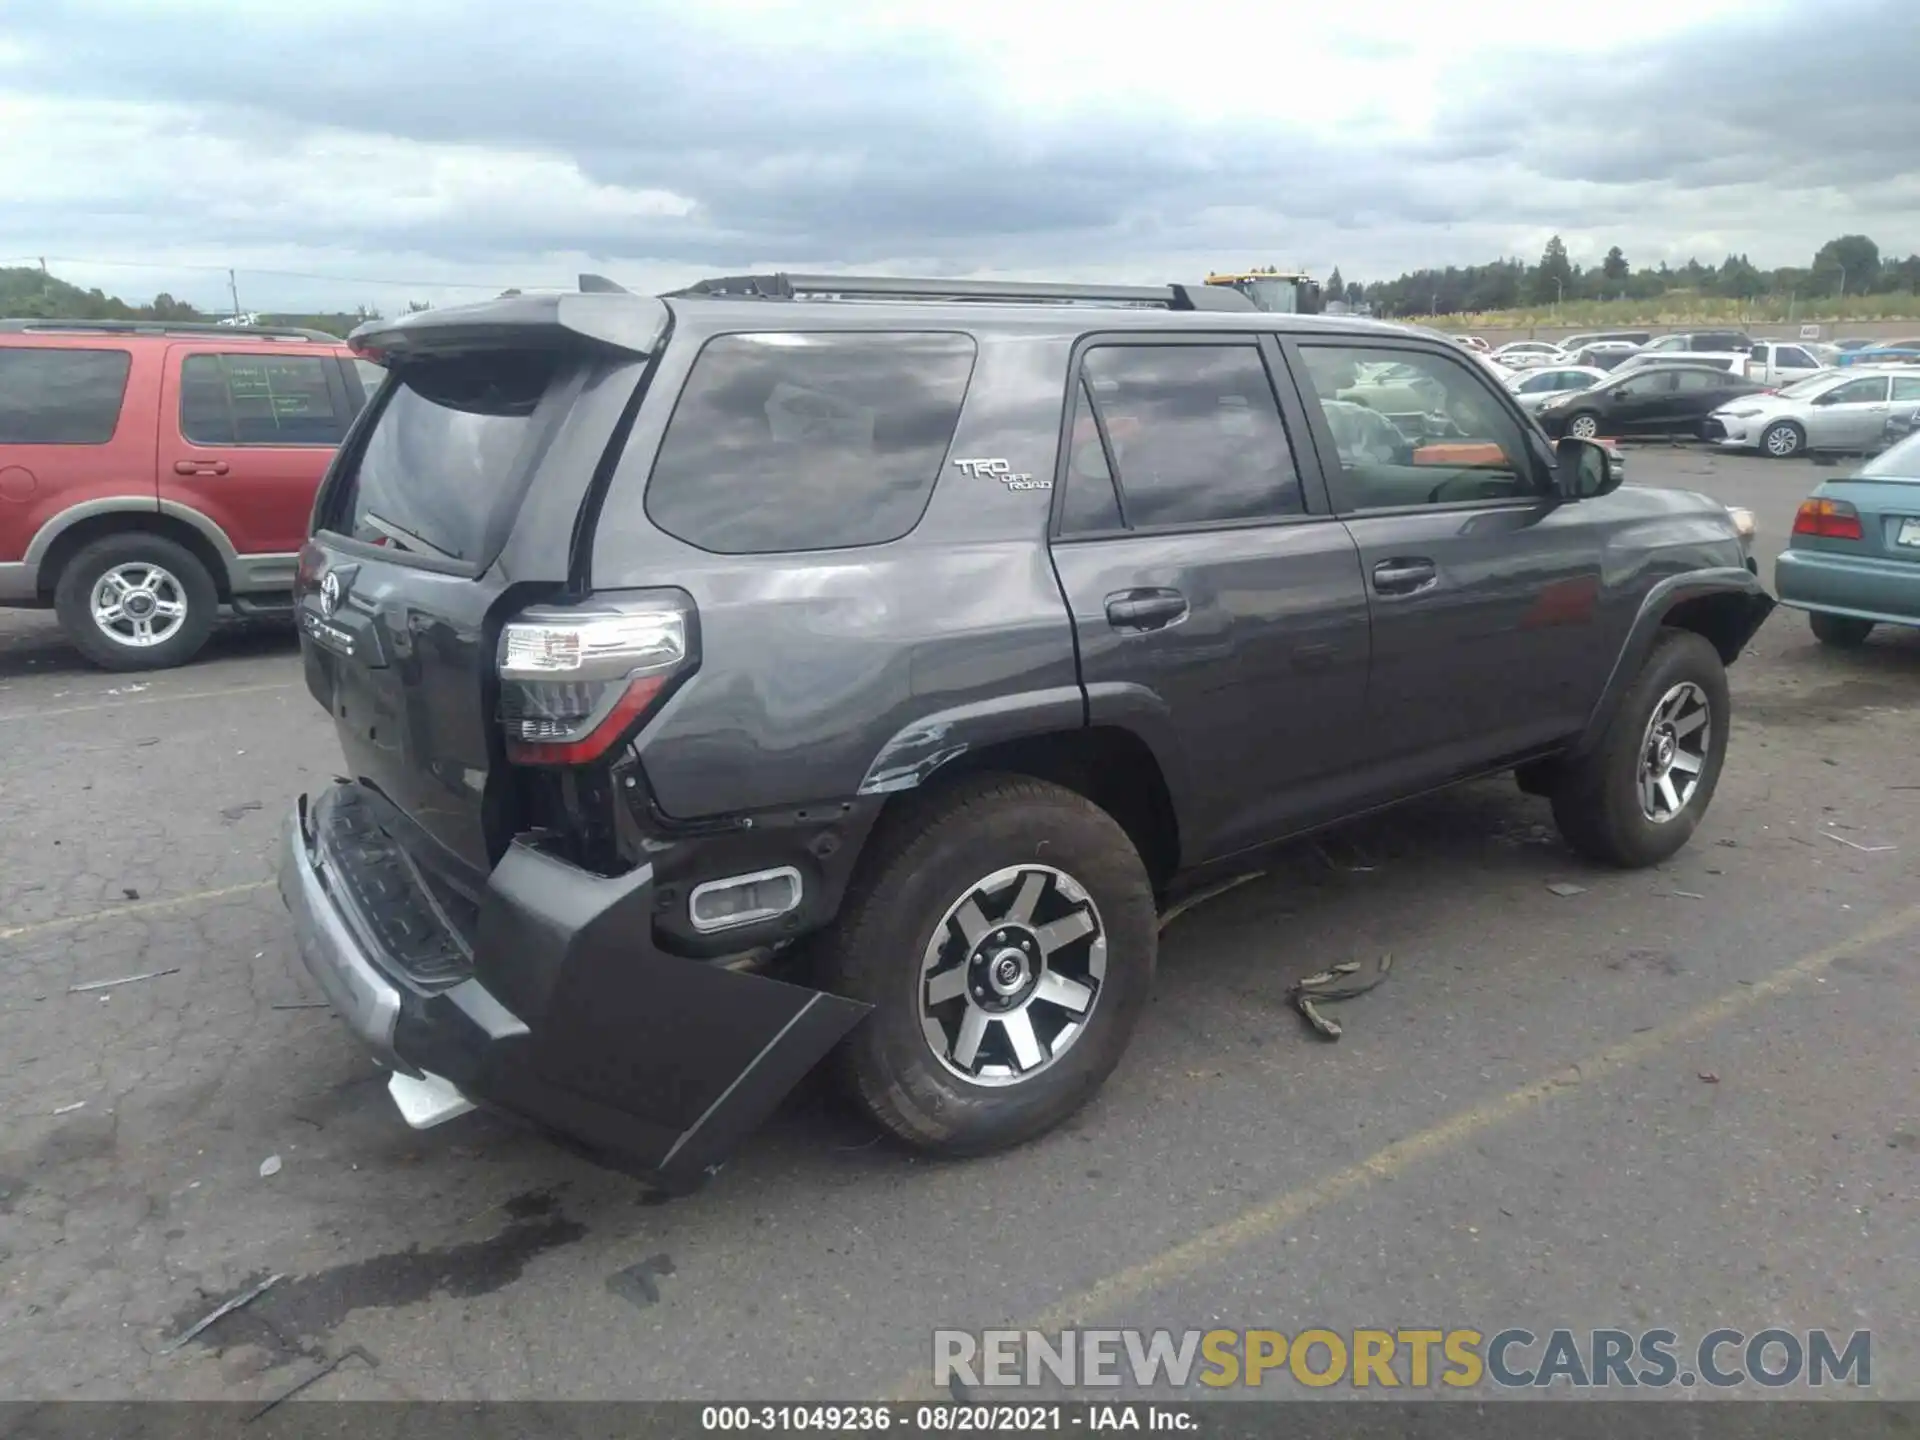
{"x": 406, "y": 150}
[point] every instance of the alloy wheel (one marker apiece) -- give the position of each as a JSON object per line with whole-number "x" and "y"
{"x": 1673, "y": 752}
{"x": 139, "y": 604}
{"x": 1012, "y": 975}
{"x": 1584, "y": 427}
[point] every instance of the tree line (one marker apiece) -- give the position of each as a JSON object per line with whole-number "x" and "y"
{"x": 1846, "y": 265}
{"x": 29, "y": 293}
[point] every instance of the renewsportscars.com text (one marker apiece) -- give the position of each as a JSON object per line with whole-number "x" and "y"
{"x": 1415, "y": 1359}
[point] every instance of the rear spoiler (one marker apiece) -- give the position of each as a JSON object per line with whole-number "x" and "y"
{"x": 611, "y": 319}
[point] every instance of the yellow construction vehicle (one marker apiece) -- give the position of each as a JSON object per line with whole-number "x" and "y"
{"x": 1283, "y": 292}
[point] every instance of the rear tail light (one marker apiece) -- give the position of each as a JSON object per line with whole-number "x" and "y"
{"x": 577, "y": 680}
{"x": 1829, "y": 519}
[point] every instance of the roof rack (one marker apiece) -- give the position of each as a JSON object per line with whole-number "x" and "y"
{"x": 887, "y": 287}
{"x": 163, "y": 327}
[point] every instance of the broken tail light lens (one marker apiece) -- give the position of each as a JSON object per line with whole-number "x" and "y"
{"x": 1828, "y": 519}
{"x": 577, "y": 680}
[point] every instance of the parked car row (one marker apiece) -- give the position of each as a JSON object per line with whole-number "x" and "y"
{"x": 152, "y": 473}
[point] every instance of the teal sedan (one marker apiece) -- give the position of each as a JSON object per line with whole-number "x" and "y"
{"x": 1854, "y": 559}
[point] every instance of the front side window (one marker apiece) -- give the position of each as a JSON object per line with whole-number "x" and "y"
{"x": 60, "y": 397}
{"x": 1693, "y": 382}
{"x": 1195, "y": 433}
{"x": 1869, "y": 390}
{"x": 257, "y": 400}
{"x": 791, "y": 441}
{"x": 1456, "y": 442}
{"x": 1649, "y": 382}
{"x": 1789, "y": 358}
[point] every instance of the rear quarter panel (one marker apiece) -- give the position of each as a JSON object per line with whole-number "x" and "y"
{"x": 45, "y": 487}
{"x": 829, "y": 672}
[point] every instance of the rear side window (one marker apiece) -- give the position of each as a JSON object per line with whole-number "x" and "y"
{"x": 61, "y": 397}
{"x": 258, "y": 400}
{"x": 446, "y": 460}
{"x": 795, "y": 441}
{"x": 1196, "y": 433}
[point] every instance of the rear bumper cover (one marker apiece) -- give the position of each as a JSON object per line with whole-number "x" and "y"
{"x": 1866, "y": 587}
{"x": 572, "y": 1020}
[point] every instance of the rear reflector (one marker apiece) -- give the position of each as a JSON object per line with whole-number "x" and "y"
{"x": 743, "y": 899}
{"x": 576, "y": 681}
{"x": 1828, "y": 519}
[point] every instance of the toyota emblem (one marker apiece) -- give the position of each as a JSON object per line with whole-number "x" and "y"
{"x": 329, "y": 594}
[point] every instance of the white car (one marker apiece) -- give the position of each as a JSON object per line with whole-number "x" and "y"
{"x": 1833, "y": 410}
{"x": 1781, "y": 362}
{"x": 1529, "y": 354}
{"x": 1534, "y": 388}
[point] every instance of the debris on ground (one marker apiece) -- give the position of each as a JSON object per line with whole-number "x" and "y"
{"x": 234, "y": 812}
{"x": 69, "y": 1109}
{"x": 1710, "y": 1077}
{"x": 222, "y": 1312}
{"x": 1212, "y": 892}
{"x": 130, "y": 893}
{"x": 352, "y": 1352}
{"x": 1686, "y": 895}
{"x": 123, "y": 980}
{"x": 1566, "y": 888}
{"x": 269, "y": 1167}
{"x": 635, "y": 1284}
{"x": 1341, "y": 982}
{"x": 1856, "y": 845}
{"x": 1362, "y": 864}
{"x": 304, "y": 1005}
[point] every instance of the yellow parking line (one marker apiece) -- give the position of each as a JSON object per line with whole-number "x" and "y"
{"x": 1276, "y": 1214}
{"x": 140, "y": 907}
{"x": 147, "y": 700}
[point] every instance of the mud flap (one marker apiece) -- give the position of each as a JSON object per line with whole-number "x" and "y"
{"x": 661, "y": 1062}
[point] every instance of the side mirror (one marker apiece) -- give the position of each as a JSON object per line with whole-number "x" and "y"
{"x": 1582, "y": 469}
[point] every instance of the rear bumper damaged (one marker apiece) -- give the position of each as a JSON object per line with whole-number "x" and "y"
{"x": 571, "y": 1018}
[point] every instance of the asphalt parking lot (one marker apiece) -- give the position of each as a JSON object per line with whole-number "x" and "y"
{"x": 1687, "y": 1097}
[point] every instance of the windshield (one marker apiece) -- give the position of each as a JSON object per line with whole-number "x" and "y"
{"x": 1902, "y": 462}
{"x": 1806, "y": 387}
{"x": 1280, "y": 297}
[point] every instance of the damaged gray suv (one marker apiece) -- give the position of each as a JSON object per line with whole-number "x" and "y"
{"x": 804, "y": 666}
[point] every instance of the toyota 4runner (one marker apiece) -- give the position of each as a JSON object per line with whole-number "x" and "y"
{"x": 800, "y": 665}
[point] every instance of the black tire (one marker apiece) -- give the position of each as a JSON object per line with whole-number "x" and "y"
{"x": 1597, "y": 804}
{"x": 934, "y": 854}
{"x": 1843, "y": 632}
{"x": 1575, "y": 418}
{"x": 1785, "y": 431}
{"x": 73, "y": 601}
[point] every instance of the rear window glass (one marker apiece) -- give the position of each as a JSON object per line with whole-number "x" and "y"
{"x": 445, "y": 460}
{"x": 808, "y": 441}
{"x": 258, "y": 400}
{"x": 61, "y": 397}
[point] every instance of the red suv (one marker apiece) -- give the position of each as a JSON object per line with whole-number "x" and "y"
{"x": 150, "y": 473}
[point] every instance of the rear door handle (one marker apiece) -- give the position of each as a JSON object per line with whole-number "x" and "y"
{"x": 1148, "y": 609}
{"x": 1404, "y": 576}
{"x": 199, "y": 467}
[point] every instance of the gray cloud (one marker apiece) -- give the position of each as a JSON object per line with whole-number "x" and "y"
{"x": 894, "y": 148}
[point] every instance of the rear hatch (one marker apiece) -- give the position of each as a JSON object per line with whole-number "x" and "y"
{"x": 451, "y": 506}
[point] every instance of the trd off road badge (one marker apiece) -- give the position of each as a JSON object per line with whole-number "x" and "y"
{"x": 1003, "y": 472}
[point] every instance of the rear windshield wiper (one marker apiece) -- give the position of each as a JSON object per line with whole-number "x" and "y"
{"x": 407, "y": 538}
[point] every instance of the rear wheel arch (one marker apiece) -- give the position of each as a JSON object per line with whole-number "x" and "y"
{"x": 77, "y": 535}
{"x": 1108, "y": 765}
